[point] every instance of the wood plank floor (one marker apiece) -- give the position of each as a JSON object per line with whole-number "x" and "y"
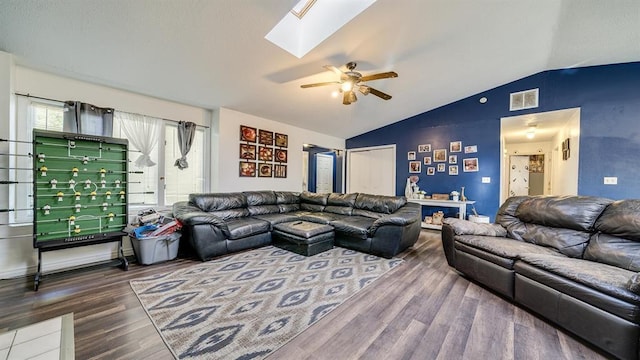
{"x": 421, "y": 310}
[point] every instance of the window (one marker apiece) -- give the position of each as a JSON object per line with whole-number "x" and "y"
{"x": 157, "y": 186}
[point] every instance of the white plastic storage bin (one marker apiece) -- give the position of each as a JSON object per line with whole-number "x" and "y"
{"x": 155, "y": 249}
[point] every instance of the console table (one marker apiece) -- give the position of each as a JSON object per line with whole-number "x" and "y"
{"x": 461, "y": 205}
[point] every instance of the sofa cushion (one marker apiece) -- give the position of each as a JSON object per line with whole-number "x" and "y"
{"x": 367, "y": 213}
{"x": 263, "y": 209}
{"x": 465, "y": 227}
{"x": 622, "y": 219}
{"x": 379, "y": 203}
{"x": 353, "y": 226}
{"x": 614, "y": 251}
{"x": 285, "y": 208}
{"x": 633, "y": 284}
{"x": 313, "y": 198}
{"x": 507, "y": 217}
{"x": 318, "y": 217}
{"x": 336, "y": 199}
{"x": 218, "y": 201}
{"x": 241, "y": 228}
{"x": 504, "y": 247}
{"x": 570, "y": 212}
{"x": 274, "y": 219}
{"x": 605, "y": 278}
{"x": 231, "y": 213}
{"x": 287, "y": 197}
{"x": 341, "y": 210}
{"x": 567, "y": 241}
{"x": 265, "y": 197}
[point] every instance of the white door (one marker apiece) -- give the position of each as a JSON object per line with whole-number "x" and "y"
{"x": 372, "y": 170}
{"x": 324, "y": 173}
{"x": 305, "y": 171}
{"x": 518, "y": 175}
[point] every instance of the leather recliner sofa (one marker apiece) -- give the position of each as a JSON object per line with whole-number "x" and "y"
{"x": 573, "y": 259}
{"x": 221, "y": 223}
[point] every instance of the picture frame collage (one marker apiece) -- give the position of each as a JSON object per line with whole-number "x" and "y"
{"x": 439, "y": 159}
{"x": 263, "y": 153}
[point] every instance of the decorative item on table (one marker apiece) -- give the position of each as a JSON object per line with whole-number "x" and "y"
{"x": 440, "y": 196}
{"x": 428, "y": 220}
{"x": 411, "y": 186}
{"x": 420, "y": 194}
{"x": 462, "y": 196}
{"x": 455, "y": 196}
{"x": 437, "y": 218}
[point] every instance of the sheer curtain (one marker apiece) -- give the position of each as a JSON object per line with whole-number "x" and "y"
{"x": 142, "y": 132}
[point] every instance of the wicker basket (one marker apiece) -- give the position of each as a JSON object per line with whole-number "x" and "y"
{"x": 440, "y": 196}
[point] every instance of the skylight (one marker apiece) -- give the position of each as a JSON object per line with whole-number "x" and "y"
{"x": 310, "y": 22}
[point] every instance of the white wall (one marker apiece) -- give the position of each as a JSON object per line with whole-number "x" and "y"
{"x": 566, "y": 169}
{"x": 17, "y": 256}
{"x": 229, "y": 122}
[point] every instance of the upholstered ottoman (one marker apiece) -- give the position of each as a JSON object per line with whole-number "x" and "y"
{"x": 303, "y": 237}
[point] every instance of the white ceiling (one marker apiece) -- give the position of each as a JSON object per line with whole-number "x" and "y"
{"x": 547, "y": 125}
{"x": 212, "y": 53}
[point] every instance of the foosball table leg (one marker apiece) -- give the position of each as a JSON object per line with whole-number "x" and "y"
{"x": 124, "y": 263}
{"x": 36, "y": 280}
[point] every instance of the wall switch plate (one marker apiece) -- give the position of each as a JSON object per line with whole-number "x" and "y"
{"x": 610, "y": 180}
{"x": 486, "y": 180}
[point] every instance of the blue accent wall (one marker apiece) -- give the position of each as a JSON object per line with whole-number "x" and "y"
{"x": 609, "y": 99}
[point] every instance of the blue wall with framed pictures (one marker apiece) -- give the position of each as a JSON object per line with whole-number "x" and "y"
{"x": 609, "y": 99}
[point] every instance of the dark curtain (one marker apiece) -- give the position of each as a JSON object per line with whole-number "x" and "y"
{"x": 83, "y": 118}
{"x": 186, "y": 132}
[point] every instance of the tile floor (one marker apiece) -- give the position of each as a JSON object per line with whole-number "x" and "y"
{"x": 47, "y": 340}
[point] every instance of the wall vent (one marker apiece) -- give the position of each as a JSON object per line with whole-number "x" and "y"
{"x": 527, "y": 99}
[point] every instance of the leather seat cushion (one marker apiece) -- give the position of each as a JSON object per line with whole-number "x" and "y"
{"x": 622, "y": 307}
{"x": 264, "y": 197}
{"x": 263, "y": 209}
{"x": 319, "y": 218}
{"x": 504, "y": 247}
{"x": 218, "y": 201}
{"x": 608, "y": 279}
{"x": 614, "y": 251}
{"x": 379, "y": 203}
{"x": 570, "y": 212}
{"x": 353, "y": 226}
{"x": 277, "y": 218}
{"x": 621, "y": 219}
{"x": 243, "y": 227}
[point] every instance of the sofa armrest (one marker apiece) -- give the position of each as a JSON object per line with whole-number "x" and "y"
{"x": 190, "y": 215}
{"x": 406, "y": 215}
{"x": 465, "y": 227}
{"x": 634, "y": 284}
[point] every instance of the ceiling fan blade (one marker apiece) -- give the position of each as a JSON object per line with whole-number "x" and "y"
{"x": 319, "y": 84}
{"x": 379, "y": 94}
{"x": 334, "y": 69}
{"x": 384, "y": 75}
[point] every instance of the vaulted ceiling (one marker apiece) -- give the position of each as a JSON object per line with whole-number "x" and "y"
{"x": 212, "y": 53}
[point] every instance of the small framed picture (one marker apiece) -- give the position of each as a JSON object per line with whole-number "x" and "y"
{"x": 424, "y": 148}
{"x": 440, "y": 155}
{"x": 453, "y": 170}
{"x": 431, "y": 170}
{"x": 264, "y": 170}
{"x": 415, "y": 167}
{"x": 247, "y": 152}
{"x": 426, "y": 160}
{"x": 282, "y": 140}
{"x": 455, "y": 146}
{"x": 265, "y": 137}
{"x": 471, "y": 149}
{"x": 265, "y": 153}
{"x": 247, "y": 133}
{"x": 279, "y": 171}
{"x": 453, "y": 159}
{"x": 441, "y": 167}
{"x": 247, "y": 169}
{"x": 470, "y": 165}
{"x": 281, "y": 155}
{"x": 411, "y": 155}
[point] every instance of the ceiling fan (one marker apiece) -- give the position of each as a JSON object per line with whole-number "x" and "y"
{"x": 352, "y": 80}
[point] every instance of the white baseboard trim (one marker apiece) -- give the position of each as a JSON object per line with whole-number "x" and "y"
{"x": 61, "y": 265}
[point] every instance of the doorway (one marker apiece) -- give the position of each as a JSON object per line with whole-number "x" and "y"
{"x": 322, "y": 169}
{"x": 535, "y": 148}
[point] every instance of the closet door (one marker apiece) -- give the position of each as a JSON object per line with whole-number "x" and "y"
{"x": 372, "y": 170}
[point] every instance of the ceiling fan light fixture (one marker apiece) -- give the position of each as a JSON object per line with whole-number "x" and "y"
{"x": 346, "y": 86}
{"x": 335, "y": 93}
{"x": 352, "y": 97}
{"x": 531, "y": 133}
{"x": 365, "y": 90}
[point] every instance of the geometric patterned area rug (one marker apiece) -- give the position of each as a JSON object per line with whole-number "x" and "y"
{"x": 246, "y": 305}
